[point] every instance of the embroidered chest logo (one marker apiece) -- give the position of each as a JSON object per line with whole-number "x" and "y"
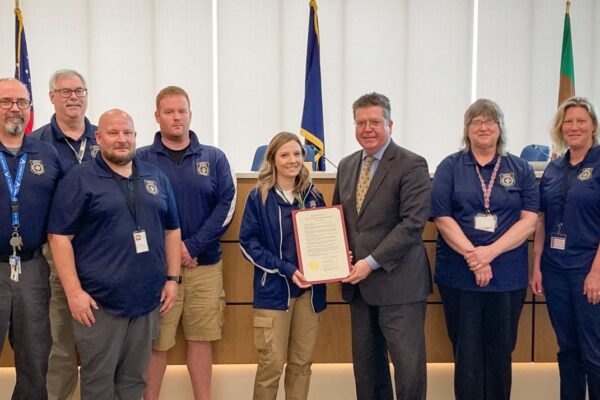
{"x": 94, "y": 149}
{"x": 202, "y": 168}
{"x": 507, "y": 179}
{"x": 36, "y": 167}
{"x": 585, "y": 174}
{"x": 312, "y": 204}
{"x": 151, "y": 187}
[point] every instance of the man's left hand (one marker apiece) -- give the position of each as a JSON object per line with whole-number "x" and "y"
{"x": 359, "y": 272}
{"x": 168, "y": 296}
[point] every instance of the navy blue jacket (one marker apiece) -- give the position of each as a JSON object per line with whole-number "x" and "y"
{"x": 267, "y": 241}
{"x": 205, "y": 193}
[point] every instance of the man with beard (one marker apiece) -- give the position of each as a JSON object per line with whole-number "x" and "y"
{"x": 31, "y": 170}
{"x": 115, "y": 239}
{"x": 72, "y": 134}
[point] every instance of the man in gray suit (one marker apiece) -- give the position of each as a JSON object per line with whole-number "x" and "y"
{"x": 385, "y": 192}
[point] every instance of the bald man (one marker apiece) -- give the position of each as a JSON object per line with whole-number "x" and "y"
{"x": 31, "y": 170}
{"x": 115, "y": 238}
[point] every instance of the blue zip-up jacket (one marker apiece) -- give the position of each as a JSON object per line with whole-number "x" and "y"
{"x": 267, "y": 241}
{"x": 205, "y": 194}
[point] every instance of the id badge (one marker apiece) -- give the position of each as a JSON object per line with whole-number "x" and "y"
{"x": 486, "y": 222}
{"x": 141, "y": 244}
{"x": 558, "y": 241}
{"x": 15, "y": 267}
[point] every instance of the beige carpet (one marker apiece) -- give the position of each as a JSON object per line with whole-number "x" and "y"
{"x": 531, "y": 381}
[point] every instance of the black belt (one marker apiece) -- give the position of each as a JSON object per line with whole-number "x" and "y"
{"x": 24, "y": 256}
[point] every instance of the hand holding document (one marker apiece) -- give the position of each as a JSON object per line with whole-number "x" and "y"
{"x": 321, "y": 244}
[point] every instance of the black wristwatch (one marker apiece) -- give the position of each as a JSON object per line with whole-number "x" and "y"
{"x": 176, "y": 278}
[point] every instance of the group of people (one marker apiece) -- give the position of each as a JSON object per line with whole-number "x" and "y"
{"x": 134, "y": 249}
{"x": 133, "y": 240}
{"x": 485, "y": 204}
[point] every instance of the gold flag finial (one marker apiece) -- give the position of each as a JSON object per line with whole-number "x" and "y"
{"x": 16, "y": 3}
{"x": 568, "y": 6}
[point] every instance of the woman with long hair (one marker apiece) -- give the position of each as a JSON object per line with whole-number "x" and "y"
{"x": 286, "y": 319}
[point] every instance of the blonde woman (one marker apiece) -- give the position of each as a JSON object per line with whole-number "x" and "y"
{"x": 566, "y": 264}
{"x": 286, "y": 320}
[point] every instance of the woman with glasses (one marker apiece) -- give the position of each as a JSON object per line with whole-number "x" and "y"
{"x": 484, "y": 202}
{"x": 286, "y": 320}
{"x": 566, "y": 266}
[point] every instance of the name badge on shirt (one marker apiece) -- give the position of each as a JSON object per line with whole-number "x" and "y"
{"x": 15, "y": 267}
{"x": 486, "y": 222}
{"x": 141, "y": 244}
{"x": 558, "y": 241}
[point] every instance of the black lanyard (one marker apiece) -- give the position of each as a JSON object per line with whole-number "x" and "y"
{"x": 129, "y": 195}
{"x": 566, "y": 183}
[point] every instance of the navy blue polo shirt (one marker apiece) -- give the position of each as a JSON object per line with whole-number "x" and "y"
{"x": 51, "y": 133}
{"x": 42, "y": 172}
{"x": 204, "y": 191}
{"x": 456, "y": 192}
{"x": 89, "y": 205}
{"x": 581, "y": 221}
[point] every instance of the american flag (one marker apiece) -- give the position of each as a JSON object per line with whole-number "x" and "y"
{"x": 22, "y": 72}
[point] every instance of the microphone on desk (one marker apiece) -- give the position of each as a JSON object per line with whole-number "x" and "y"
{"x": 541, "y": 150}
{"x": 321, "y": 153}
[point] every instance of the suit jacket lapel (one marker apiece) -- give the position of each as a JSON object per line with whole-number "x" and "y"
{"x": 382, "y": 169}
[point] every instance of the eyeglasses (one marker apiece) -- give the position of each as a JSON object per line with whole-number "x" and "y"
{"x": 66, "y": 93}
{"x": 478, "y": 124}
{"x": 22, "y": 104}
{"x": 374, "y": 123}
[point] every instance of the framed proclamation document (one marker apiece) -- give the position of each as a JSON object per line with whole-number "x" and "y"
{"x": 321, "y": 244}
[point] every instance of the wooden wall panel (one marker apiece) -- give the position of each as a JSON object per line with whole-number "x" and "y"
{"x": 238, "y": 274}
{"x": 545, "y": 346}
{"x": 438, "y": 346}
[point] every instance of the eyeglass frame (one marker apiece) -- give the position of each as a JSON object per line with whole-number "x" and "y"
{"x": 478, "y": 124}
{"x": 69, "y": 92}
{"x": 374, "y": 123}
{"x": 5, "y": 101}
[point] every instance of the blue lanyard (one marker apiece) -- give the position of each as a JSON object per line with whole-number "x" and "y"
{"x": 14, "y": 188}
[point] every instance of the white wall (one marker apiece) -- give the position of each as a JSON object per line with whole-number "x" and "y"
{"x": 419, "y": 53}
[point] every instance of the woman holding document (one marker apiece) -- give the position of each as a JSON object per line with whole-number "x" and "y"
{"x": 286, "y": 320}
{"x": 484, "y": 202}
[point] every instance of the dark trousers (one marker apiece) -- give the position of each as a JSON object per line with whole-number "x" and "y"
{"x": 577, "y": 326}
{"x": 24, "y": 314}
{"x": 398, "y": 329}
{"x": 115, "y": 353}
{"x": 482, "y": 327}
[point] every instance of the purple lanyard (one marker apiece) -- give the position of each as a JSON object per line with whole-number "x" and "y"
{"x": 487, "y": 190}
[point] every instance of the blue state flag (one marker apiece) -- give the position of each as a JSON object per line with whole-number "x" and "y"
{"x": 312, "y": 115}
{"x": 22, "y": 72}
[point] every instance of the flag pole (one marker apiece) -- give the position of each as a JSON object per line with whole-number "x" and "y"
{"x": 568, "y": 6}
